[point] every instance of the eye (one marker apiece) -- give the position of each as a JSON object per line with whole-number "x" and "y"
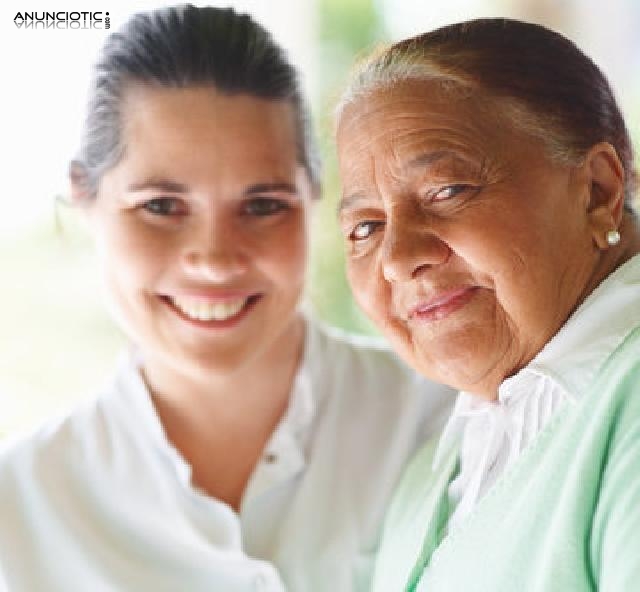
{"x": 364, "y": 230}
{"x": 450, "y": 191}
{"x": 164, "y": 206}
{"x": 265, "y": 206}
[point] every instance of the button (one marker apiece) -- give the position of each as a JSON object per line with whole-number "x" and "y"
{"x": 270, "y": 458}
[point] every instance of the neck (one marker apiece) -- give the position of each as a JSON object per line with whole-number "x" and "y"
{"x": 630, "y": 233}
{"x": 261, "y": 378}
{"x": 614, "y": 257}
{"x": 206, "y": 413}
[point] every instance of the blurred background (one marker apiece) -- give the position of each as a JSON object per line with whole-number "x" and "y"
{"x": 57, "y": 343}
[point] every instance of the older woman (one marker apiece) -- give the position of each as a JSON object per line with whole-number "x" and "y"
{"x": 487, "y": 208}
{"x": 237, "y": 436}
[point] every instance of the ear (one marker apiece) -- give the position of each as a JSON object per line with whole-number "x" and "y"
{"x": 606, "y": 186}
{"x": 79, "y": 183}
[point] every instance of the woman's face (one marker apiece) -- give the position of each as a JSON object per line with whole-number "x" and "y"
{"x": 466, "y": 246}
{"x": 201, "y": 226}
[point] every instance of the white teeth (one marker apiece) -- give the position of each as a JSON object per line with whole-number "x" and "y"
{"x": 202, "y": 310}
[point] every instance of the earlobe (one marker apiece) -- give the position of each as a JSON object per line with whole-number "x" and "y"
{"x": 606, "y": 199}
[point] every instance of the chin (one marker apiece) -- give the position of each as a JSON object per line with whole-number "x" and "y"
{"x": 218, "y": 361}
{"x": 455, "y": 361}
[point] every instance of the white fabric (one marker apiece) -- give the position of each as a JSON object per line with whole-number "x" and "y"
{"x": 101, "y": 501}
{"x": 492, "y": 435}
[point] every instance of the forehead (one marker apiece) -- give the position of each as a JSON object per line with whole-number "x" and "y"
{"x": 418, "y": 120}
{"x": 201, "y": 126}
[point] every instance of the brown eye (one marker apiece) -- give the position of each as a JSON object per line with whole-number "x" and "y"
{"x": 164, "y": 206}
{"x": 364, "y": 230}
{"x": 265, "y": 206}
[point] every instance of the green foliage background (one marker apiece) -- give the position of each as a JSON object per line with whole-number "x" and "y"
{"x": 346, "y": 30}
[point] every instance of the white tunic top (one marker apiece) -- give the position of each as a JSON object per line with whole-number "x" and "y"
{"x": 492, "y": 435}
{"x": 101, "y": 501}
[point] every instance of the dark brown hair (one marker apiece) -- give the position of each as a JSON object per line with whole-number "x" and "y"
{"x": 181, "y": 46}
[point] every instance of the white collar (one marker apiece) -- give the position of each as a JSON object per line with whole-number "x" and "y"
{"x": 492, "y": 434}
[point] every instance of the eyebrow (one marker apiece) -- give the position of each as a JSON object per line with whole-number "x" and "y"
{"x": 430, "y": 158}
{"x": 348, "y": 201}
{"x": 425, "y": 159}
{"x": 271, "y": 188}
{"x": 158, "y": 185}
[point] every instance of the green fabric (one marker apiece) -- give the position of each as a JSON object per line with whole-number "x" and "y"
{"x": 565, "y": 517}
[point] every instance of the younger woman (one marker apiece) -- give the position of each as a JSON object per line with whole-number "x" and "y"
{"x": 236, "y": 435}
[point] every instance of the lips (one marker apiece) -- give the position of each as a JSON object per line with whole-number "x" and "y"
{"x": 442, "y": 304}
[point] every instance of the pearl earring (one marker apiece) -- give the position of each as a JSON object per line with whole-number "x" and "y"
{"x": 613, "y": 237}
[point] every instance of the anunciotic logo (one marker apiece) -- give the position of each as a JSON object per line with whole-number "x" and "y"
{"x": 62, "y": 20}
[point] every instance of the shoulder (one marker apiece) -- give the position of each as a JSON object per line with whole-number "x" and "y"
{"x": 39, "y": 470}
{"x": 361, "y": 372}
{"x": 57, "y": 442}
{"x": 615, "y": 544}
{"x": 368, "y": 352}
{"x": 62, "y": 447}
{"x": 619, "y": 377}
{"x": 361, "y": 359}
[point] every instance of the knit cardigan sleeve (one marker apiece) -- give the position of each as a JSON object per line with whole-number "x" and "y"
{"x": 615, "y": 540}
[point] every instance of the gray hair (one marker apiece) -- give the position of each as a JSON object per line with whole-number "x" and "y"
{"x": 544, "y": 85}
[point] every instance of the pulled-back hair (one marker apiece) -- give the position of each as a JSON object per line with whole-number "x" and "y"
{"x": 184, "y": 46}
{"x": 543, "y": 83}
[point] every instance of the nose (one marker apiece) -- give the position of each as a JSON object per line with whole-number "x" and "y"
{"x": 214, "y": 252}
{"x": 410, "y": 246}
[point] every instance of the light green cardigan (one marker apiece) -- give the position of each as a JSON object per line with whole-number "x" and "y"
{"x": 565, "y": 517}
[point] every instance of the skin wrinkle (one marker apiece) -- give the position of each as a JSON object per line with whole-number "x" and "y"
{"x": 560, "y": 144}
{"x": 501, "y": 239}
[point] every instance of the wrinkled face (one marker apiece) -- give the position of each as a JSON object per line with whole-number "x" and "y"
{"x": 202, "y": 225}
{"x": 465, "y": 245}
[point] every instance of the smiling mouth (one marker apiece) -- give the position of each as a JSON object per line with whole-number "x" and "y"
{"x": 443, "y": 305}
{"x": 211, "y": 312}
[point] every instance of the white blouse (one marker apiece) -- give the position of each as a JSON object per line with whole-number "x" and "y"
{"x": 492, "y": 434}
{"x": 100, "y": 501}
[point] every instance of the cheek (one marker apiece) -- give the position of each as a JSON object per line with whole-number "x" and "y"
{"x": 498, "y": 257}
{"x": 374, "y": 296}
{"x": 370, "y": 290}
{"x": 357, "y": 276}
{"x": 285, "y": 252}
{"x": 130, "y": 256}
{"x": 517, "y": 272}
